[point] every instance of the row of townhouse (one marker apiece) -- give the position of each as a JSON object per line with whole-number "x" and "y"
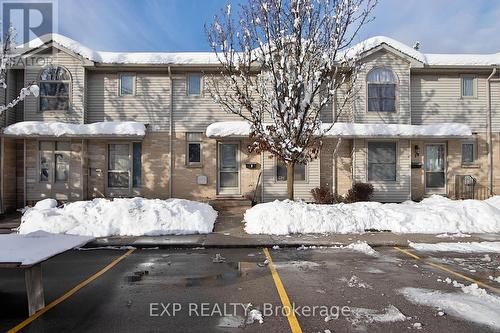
{"x": 175, "y": 157}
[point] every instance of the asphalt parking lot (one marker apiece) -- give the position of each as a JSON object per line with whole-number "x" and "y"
{"x": 184, "y": 290}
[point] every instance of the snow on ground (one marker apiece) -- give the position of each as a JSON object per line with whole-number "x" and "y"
{"x": 432, "y": 215}
{"x": 36, "y": 246}
{"x": 121, "y": 217}
{"x": 57, "y": 129}
{"x": 389, "y": 314}
{"x": 457, "y": 235}
{"x": 352, "y": 130}
{"x": 473, "y": 304}
{"x": 458, "y": 247}
{"x": 358, "y": 246}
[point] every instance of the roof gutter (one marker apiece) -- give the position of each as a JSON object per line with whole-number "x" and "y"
{"x": 489, "y": 135}
{"x": 170, "y": 133}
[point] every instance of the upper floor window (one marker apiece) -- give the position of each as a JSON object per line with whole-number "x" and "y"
{"x": 55, "y": 85}
{"x": 381, "y": 90}
{"x": 468, "y": 85}
{"x": 194, "y": 84}
{"x": 127, "y": 84}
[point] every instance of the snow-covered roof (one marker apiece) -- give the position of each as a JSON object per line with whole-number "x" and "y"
{"x": 355, "y": 130}
{"x": 57, "y": 129}
{"x": 209, "y": 58}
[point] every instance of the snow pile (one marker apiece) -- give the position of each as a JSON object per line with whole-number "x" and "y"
{"x": 432, "y": 215}
{"x": 57, "y": 129}
{"x": 228, "y": 128}
{"x": 352, "y": 130}
{"x": 474, "y": 304}
{"x": 362, "y": 247}
{"x": 389, "y": 314}
{"x": 478, "y": 247}
{"x": 121, "y": 217}
{"x": 37, "y": 246}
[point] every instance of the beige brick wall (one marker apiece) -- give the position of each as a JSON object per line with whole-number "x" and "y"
{"x": 479, "y": 169}
{"x": 184, "y": 177}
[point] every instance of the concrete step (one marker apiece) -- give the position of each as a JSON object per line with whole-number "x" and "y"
{"x": 230, "y": 203}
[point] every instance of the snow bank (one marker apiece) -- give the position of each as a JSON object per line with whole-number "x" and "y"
{"x": 121, "y": 217}
{"x": 57, "y": 129}
{"x": 474, "y": 304}
{"x": 432, "y": 215}
{"x": 36, "y": 246}
{"x": 458, "y": 247}
{"x": 352, "y": 130}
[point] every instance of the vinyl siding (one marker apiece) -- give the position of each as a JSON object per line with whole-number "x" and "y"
{"x": 385, "y": 191}
{"x": 495, "y": 106}
{"x": 76, "y": 110}
{"x": 401, "y": 69}
{"x": 274, "y": 190}
{"x": 195, "y": 113}
{"x": 436, "y": 98}
{"x": 149, "y": 105}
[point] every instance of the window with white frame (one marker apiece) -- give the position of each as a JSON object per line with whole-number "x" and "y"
{"x": 124, "y": 165}
{"x": 194, "y": 84}
{"x": 55, "y": 87}
{"x": 299, "y": 172}
{"x": 469, "y": 152}
{"x": 127, "y": 84}
{"x": 194, "y": 149}
{"x": 381, "y": 90}
{"x": 468, "y": 85}
{"x": 382, "y": 157}
{"x": 54, "y": 161}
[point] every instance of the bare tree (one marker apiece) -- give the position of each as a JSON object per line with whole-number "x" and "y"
{"x": 7, "y": 58}
{"x": 282, "y": 62}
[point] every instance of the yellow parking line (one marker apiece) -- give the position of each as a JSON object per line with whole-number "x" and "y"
{"x": 449, "y": 270}
{"x": 68, "y": 294}
{"x": 292, "y": 320}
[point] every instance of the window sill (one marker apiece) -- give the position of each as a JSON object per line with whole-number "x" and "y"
{"x": 470, "y": 166}
{"x": 194, "y": 166}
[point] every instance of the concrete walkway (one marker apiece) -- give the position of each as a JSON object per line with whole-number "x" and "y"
{"x": 229, "y": 233}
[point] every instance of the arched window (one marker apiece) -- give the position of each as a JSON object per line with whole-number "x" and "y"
{"x": 381, "y": 90}
{"x": 55, "y": 85}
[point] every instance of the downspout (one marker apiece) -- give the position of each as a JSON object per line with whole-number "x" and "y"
{"x": 170, "y": 133}
{"x": 24, "y": 173}
{"x": 489, "y": 131}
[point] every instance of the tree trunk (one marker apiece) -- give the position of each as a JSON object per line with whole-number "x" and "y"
{"x": 290, "y": 179}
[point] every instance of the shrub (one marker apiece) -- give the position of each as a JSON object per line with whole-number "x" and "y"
{"x": 359, "y": 192}
{"x": 322, "y": 195}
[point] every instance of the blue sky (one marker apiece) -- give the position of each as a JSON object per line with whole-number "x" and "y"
{"x": 466, "y": 26}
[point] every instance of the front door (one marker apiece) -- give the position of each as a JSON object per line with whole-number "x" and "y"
{"x": 228, "y": 168}
{"x": 435, "y": 168}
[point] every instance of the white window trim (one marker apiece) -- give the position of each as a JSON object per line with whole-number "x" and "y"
{"x": 368, "y": 162}
{"x": 275, "y": 171}
{"x": 52, "y": 162}
{"x": 201, "y": 85}
{"x": 474, "y": 152}
{"x": 396, "y": 92}
{"x": 70, "y": 90}
{"x": 134, "y": 81}
{"x": 474, "y": 86}
{"x": 131, "y": 167}
{"x": 200, "y": 142}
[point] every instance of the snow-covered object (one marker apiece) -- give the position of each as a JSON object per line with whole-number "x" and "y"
{"x": 153, "y": 58}
{"x": 209, "y": 58}
{"x": 58, "y": 129}
{"x": 474, "y": 304}
{"x": 228, "y": 129}
{"x": 36, "y": 246}
{"x": 46, "y": 204}
{"x": 432, "y": 215}
{"x": 353, "y": 130}
{"x": 122, "y": 217}
{"x": 478, "y": 247}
